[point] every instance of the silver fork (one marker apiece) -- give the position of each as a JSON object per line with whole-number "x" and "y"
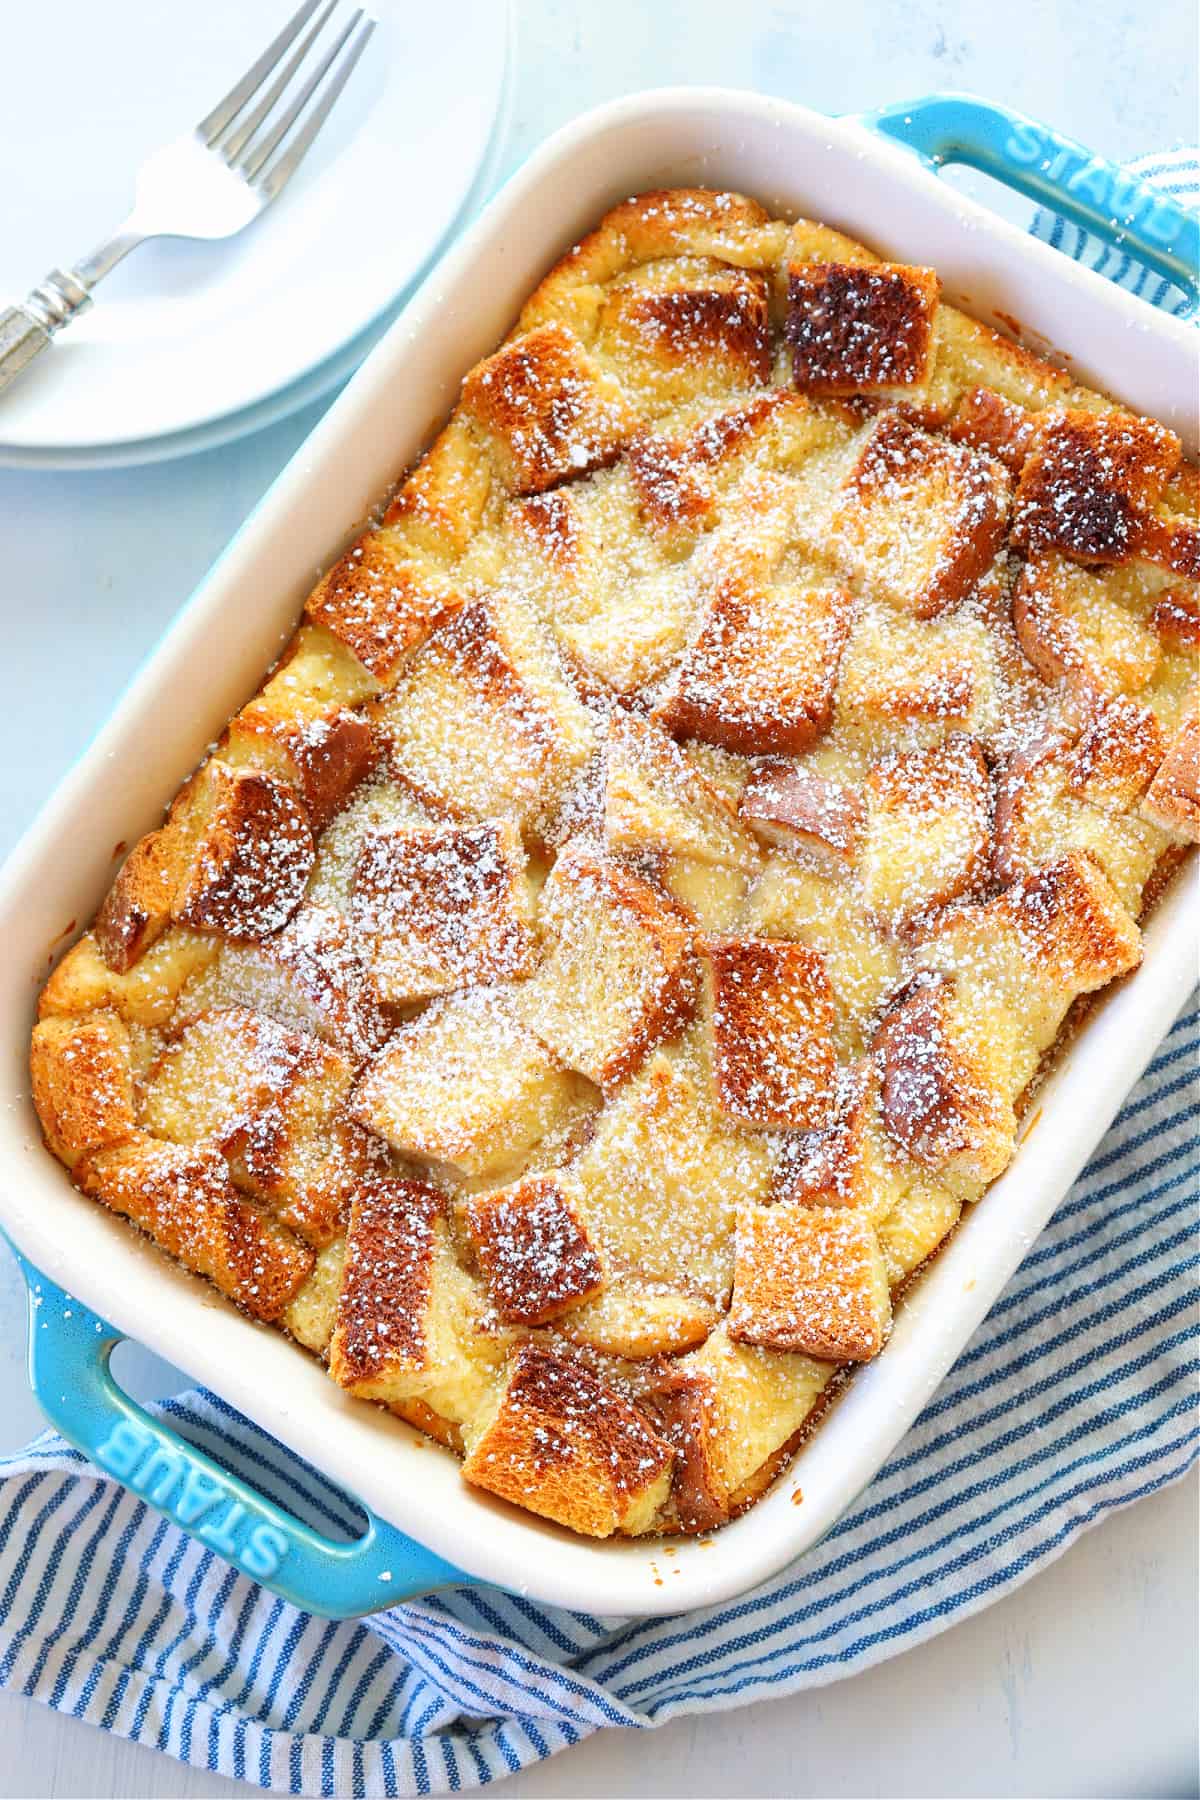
{"x": 213, "y": 180}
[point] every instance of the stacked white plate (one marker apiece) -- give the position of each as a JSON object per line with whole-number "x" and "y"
{"x": 190, "y": 345}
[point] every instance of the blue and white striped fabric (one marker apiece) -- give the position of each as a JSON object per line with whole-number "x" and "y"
{"x": 1077, "y": 1396}
{"x": 1176, "y": 172}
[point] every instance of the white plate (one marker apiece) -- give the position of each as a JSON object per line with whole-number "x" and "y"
{"x": 185, "y": 336}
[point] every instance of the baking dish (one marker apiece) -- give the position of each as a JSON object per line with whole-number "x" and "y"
{"x": 794, "y": 161}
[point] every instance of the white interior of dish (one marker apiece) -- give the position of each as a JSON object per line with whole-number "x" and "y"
{"x": 213, "y": 658}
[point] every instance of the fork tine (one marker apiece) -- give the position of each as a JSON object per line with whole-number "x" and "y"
{"x": 228, "y": 108}
{"x": 232, "y": 146}
{"x": 253, "y": 165}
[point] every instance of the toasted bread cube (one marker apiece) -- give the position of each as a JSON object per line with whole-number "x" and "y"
{"x": 925, "y": 679}
{"x": 137, "y": 908}
{"x": 272, "y": 1100}
{"x": 1087, "y": 481}
{"x": 301, "y": 726}
{"x": 920, "y": 519}
{"x": 861, "y": 963}
{"x": 563, "y": 1444}
{"x": 928, "y": 831}
{"x": 771, "y": 1014}
{"x": 1071, "y": 925}
{"x": 83, "y": 1083}
{"x": 465, "y": 1083}
{"x": 546, "y": 410}
{"x": 380, "y": 804}
{"x": 675, "y": 492}
{"x": 851, "y": 1161}
{"x": 1073, "y": 626}
{"x": 381, "y": 601}
{"x": 730, "y": 1411}
{"x": 618, "y": 972}
{"x": 183, "y": 1198}
{"x": 794, "y": 807}
{"x": 656, "y": 798}
{"x": 533, "y": 1248}
{"x": 250, "y": 851}
{"x": 1175, "y": 619}
{"x": 1171, "y": 542}
{"x": 636, "y": 1319}
{"x": 144, "y": 995}
{"x": 311, "y": 976}
{"x": 853, "y": 327}
{"x": 1025, "y": 955}
{"x": 484, "y": 722}
{"x": 1063, "y": 793}
{"x": 443, "y": 908}
{"x": 987, "y": 421}
{"x": 760, "y": 676}
{"x": 442, "y": 502}
{"x": 665, "y": 223}
{"x": 634, "y": 639}
{"x": 947, "y": 1091}
{"x": 661, "y": 1176}
{"x": 919, "y": 1224}
{"x": 310, "y": 1314}
{"x": 682, "y": 329}
{"x": 409, "y": 1319}
{"x": 1173, "y": 800}
{"x": 809, "y": 1280}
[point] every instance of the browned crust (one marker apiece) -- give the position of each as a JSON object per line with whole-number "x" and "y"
{"x": 547, "y": 410}
{"x": 82, "y": 1083}
{"x": 853, "y": 326}
{"x": 137, "y": 908}
{"x": 772, "y": 1020}
{"x": 760, "y": 677}
{"x": 386, "y": 1284}
{"x": 183, "y": 1198}
{"x": 1087, "y": 482}
{"x": 793, "y": 806}
{"x": 1173, "y": 800}
{"x": 566, "y": 1445}
{"x": 809, "y": 1280}
{"x": 380, "y": 604}
{"x": 902, "y": 466}
{"x": 533, "y": 1250}
{"x": 987, "y": 421}
{"x": 324, "y": 758}
{"x": 683, "y": 1409}
{"x": 250, "y": 859}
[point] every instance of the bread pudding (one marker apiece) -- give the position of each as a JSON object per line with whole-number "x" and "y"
{"x": 596, "y": 969}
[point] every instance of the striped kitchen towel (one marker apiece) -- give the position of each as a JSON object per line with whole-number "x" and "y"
{"x": 1176, "y": 172}
{"x": 1077, "y": 1396}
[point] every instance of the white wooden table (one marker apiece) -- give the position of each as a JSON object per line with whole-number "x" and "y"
{"x": 1084, "y": 1682}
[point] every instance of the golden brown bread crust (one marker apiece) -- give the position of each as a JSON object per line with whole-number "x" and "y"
{"x": 1173, "y": 800}
{"x": 183, "y": 1198}
{"x": 456, "y": 1043}
{"x": 533, "y": 1249}
{"x": 83, "y": 1083}
{"x": 566, "y": 1446}
{"x": 771, "y": 1016}
{"x": 852, "y": 327}
{"x": 1087, "y": 482}
{"x": 810, "y": 1280}
{"x": 382, "y": 1301}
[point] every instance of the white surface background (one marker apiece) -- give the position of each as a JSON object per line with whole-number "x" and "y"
{"x": 1085, "y": 1681}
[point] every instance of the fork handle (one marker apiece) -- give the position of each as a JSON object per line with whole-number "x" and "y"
{"x": 25, "y": 330}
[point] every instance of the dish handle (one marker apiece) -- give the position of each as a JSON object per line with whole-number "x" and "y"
{"x": 70, "y": 1352}
{"x": 1136, "y": 219}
